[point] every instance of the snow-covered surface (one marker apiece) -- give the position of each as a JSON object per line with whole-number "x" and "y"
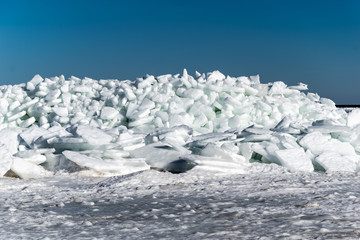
{"x": 255, "y": 160}
{"x": 269, "y": 202}
{"x": 171, "y": 122}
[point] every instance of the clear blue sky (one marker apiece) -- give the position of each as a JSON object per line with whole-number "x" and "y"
{"x": 315, "y": 42}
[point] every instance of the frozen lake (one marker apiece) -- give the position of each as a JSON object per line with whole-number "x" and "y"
{"x": 268, "y": 203}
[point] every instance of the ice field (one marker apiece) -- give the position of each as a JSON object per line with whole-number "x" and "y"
{"x": 172, "y": 123}
{"x": 269, "y": 202}
{"x": 96, "y": 158}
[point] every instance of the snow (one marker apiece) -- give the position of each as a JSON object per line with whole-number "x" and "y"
{"x": 267, "y": 202}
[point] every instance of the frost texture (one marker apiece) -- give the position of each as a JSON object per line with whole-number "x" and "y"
{"x": 171, "y": 122}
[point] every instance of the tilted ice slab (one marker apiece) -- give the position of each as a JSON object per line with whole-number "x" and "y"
{"x": 173, "y": 123}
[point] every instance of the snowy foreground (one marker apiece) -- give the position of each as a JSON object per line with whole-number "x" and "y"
{"x": 81, "y": 158}
{"x": 269, "y": 202}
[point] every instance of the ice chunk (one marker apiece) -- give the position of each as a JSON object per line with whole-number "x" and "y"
{"x": 319, "y": 143}
{"x": 157, "y": 155}
{"x": 82, "y": 89}
{"x": 93, "y": 136}
{"x": 69, "y": 143}
{"x": 286, "y": 141}
{"x": 211, "y": 150}
{"x": 16, "y": 116}
{"x": 215, "y": 75}
{"x": 147, "y": 104}
{"x": 35, "y": 159}
{"x": 114, "y": 154}
{"x": 129, "y": 94}
{"x": 180, "y": 119}
{"x": 31, "y": 134}
{"x": 53, "y": 132}
{"x": 28, "y": 170}
{"x": 108, "y": 113}
{"x": 56, "y": 162}
{"x": 137, "y": 114}
{"x": 255, "y": 79}
{"x": 179, "y": 134}
{"x": 201, "y": 120}
{"x": 215, "y": 164}
{"x": 284, "y": 123}
{"x": 4, "y": 104}
{"x": 36, "y": 80}
{"x": 327, "y": 126}
{"x": 127, "y": 139}
{"x": 102, "y": 166}
{"x": 353, "y": 118}
{"x": 300, "y": 87}
{"x": 332, "y": 162}
{"x": 28, "y": 122}
{"x": 176, "y": 144}
{"x": 235, "y": 122}
{"x": 266, "y": 150}
{"x": 61, "y": 111}
{"x": 133, "y": 147}
{"x": 258, "y": 138}
{"x": 52, "y": 95}
{"x": 26, "y": 105}
{"x": 315, "y": 141}
{"x": 9, "y": 138}
{"x": 34, "y": 152}
{"x": 250, "y": 91}
{"x": 193, "y": 93}
{"x": 286, "y": 126}
{"x": 295, "y": 159}
{"x": 246, "y": 150}
{"x": 202, "y": 140}
{"x": 278, "y": 88}
{"x": 65, "y": 88}
{"x": 328, "y": 129}
{"x": 141, "y": 121}
{"x": 5, "y": 160}
{"x": 13, "y": 108}
{"x": 255, "y": 130}
{"x": 327, "y": 102}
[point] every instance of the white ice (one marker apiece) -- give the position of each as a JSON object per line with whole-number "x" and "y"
{"x": 210, "y": 121}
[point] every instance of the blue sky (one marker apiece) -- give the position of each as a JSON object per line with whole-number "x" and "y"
{"x": 315, "y": 42}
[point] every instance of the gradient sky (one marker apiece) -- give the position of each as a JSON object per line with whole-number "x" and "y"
{"x": 315, "y": 42}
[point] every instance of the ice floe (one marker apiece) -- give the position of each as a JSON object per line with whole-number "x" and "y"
{"x": 173, "y": 123}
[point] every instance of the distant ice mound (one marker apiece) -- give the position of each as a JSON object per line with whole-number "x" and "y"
{"x": 172, "y": 123}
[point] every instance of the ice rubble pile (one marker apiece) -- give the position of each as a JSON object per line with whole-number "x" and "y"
{"x": 173, "y": 123}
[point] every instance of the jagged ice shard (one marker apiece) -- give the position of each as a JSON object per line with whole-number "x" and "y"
{"x": 173, "y": 123}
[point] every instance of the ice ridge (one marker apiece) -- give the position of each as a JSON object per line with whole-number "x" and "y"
{"x": 170, "y": 122}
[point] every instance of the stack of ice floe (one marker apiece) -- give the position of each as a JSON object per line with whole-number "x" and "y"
{"x": 172, "y": 123}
